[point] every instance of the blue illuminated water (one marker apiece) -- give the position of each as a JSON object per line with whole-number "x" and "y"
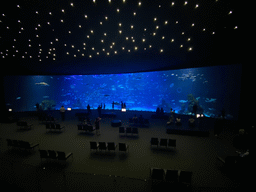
{"x": 215, "y": 88}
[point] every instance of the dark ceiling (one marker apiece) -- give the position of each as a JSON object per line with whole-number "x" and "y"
{"x": 102, "y": 36}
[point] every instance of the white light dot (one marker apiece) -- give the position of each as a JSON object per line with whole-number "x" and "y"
{"x": 230, "y": 12}
{"x": 166, "y": 22}
{"x": 155, "y": 19}
{"x": 161, "y": 50}
{"x": 173, "y": 3}
{"x": 117, "y": 10}
{"x": 172, "y": 40}
{"x": 163, "y": 37}
{"x": 86, "y": 16}
{"x": 139, "y": 3}
{"x": 106, "y": 17}
{"x": 181, "y": 46}
{"x": 134, "y": 13}
{"x": 197, "y": 6}
{"x": 62, "y": 11}
{"x": 100, "y": 22}
{"x": 72, "y": 4}
{"x": 131, "y": 26}
{"x": 185, "y": 3}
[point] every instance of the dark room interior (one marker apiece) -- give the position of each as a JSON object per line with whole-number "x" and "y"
{"x": 124, "y": 95}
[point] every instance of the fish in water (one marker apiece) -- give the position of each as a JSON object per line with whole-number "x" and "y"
{"x": 106, "y": 95}
{"x": 18, "y": 98}
{"x": 42, "y": 84}
{"x": 207, "y": 100}
{"x": 183, "y": 101}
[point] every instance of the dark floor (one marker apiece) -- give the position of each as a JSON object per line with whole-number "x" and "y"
{"x": 115, "y": 171}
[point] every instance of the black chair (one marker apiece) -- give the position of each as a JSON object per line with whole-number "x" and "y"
{"x": 9, "y": 143}
{"x": 157, "y": 174}
{"x": 52, "y": 126}
{"x": 163, "y": 142}
{"x": 154, "y": 141}
{"x": 103, "y": 146}
{"x": 85, "y": 127}
{"x": 185, "y": 178}
{"x": 52, "y": 154}
{"x": 58, "y": 127}
{"x": 80, "y": 127}
{"x": 135, "y": 130}
{"x": 172, "y": 176}
{"x": 121, "y": 130}
{"x": 111, "y": 146}
{"x": 48, "y": 126}
{"x": 24, "y": 125}
{"x": 123, "y": 147}
{"x": 172, "y": 143}
{"x": 62, "y": 156}
{"x": 90, "y": 128}
{"x": 128, "y": 130}
{"x": 43, "y": 154}
{"x": 94, "y": 145}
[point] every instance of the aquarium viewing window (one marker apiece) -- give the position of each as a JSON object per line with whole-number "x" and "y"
{"x": 214, "y": 90}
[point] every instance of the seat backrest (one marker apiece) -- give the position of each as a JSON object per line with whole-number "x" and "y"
{"x": 80, "y": 127}
{"x": 121, "y": 129}
{"x": 172, "y": 175}
{"x": 163, "y": 142}
{"x": 90, "y": 128}
{"x": 102, "y": 145}
{"x": 154, "y": 141}
{"x": 135, "y": 130}
{"x": 85, "y": 127}
{"x": 43, "y": 153}
{"x": 9, "y": 142}
{"x": 128, "y": 130}
{"x": 111, "y": 146}
{"x": 93, "y": 145}
{"x": 122, "y": 147}
{"x": 57, "y": 126}
{"x": 172, "y": 143}
{"x": 157, "y": 174}
{"x": 61, "y": 155}
{"x": 52, "y": 126}
{"x": 52, "y": 154}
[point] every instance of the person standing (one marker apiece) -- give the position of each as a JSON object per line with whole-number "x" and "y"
{"x": 62, "y": 113}
{"x": 97, "y": 125}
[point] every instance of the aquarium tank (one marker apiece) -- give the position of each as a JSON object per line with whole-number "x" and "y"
{"x": 213, "y": 89}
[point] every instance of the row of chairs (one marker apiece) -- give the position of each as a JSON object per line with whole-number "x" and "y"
{"x": 139, "y": 121}
{"x": 24, "y": 125}
{"x": 128, "y": 130}
{"x": 108, "y": 146}
{"x": 85, "y": 127}
{"x": 54, "y": 155}
{"x": 19, "y": 144}
{"x": 172, "y": 176}
{"x": 53, "y": 126}
{"x": 163, "y": 142}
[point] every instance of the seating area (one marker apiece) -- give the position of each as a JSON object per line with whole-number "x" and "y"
{"x": 54, "y": 155}
{"x": 128, "y": 131}
{"x": 85, "y": 128}
{"x": 54, "y": 127}
{"x": 139, "y": 122}
{"x": 177, "y": 178}
{"x": 110, "y": 146}
{"x": 23, "y": 125}
{"x": 163, "y": 142}
{"x": 21, "y": 145}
